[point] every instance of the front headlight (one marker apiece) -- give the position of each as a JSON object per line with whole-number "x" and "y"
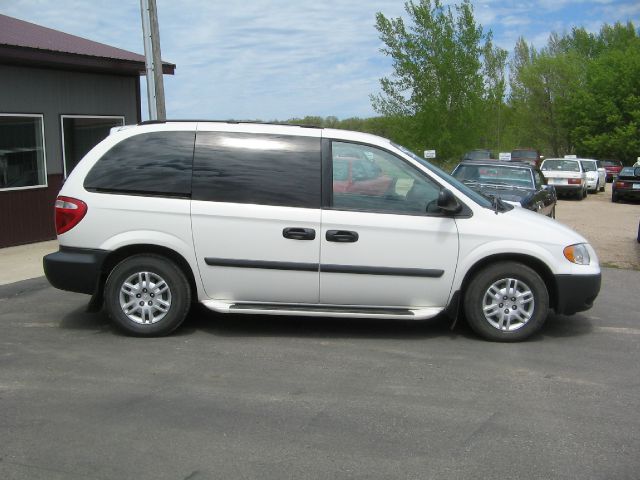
{"x": 577, "y": 253}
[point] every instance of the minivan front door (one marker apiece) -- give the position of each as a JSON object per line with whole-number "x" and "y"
{"x": 385, "y": 246}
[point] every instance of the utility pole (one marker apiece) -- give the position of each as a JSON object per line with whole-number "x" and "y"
{"x": 153, "y": 60}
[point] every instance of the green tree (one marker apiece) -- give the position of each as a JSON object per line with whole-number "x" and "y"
{"x": 541, "y": 87}
{"x": 445, "y": 72}
{"x": 606, "y": 112}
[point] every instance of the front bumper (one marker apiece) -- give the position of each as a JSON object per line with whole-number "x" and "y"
{"x": 75, "y": 269}
{"x": 576, "y": 293}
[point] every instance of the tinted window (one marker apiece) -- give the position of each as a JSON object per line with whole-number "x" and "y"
{"x": 152, "y": 163}
{"x": 257, "y": 168}
{"x": 379, "y": 182}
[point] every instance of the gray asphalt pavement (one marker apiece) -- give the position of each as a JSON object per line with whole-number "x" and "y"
{"x": 285, "y": 397}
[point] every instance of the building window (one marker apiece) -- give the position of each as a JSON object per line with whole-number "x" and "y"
{"x": 22, "y": 156}
{"x": 80, "y": 133}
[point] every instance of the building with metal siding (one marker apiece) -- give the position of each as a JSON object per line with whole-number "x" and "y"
{"x": 59, "y": 95}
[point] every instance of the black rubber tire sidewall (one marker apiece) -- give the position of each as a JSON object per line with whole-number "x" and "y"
{"x": 474, "y": 294}
{"x": 173, "y": 276}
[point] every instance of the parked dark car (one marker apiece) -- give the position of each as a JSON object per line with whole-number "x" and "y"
{"x": 627, "y": 184}
{"x": 517, "y": 183}
{"x": 477, "y": 155}
{"x": 527, "y": 155}
{"x": 612, "y": 168}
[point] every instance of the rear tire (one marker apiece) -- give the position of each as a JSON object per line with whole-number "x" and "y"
{"x": 614, "y": 197}
{"x": 147, "y": 295}
{"x": 506, "y": 302}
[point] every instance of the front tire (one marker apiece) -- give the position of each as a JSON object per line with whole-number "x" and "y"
{"x": 506, "y": 302}
{"x": 147, "y": 295}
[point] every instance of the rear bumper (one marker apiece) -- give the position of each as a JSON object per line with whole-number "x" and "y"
{"x": 74, "y": 269}
{"x": 576, "y": 293}
{"x": 627, "y": 192}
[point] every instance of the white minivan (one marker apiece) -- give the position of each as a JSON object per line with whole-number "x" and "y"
{"x": 292, "y": 220}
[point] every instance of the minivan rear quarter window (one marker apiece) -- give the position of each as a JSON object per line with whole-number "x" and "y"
{"x": 157, "y": 163}
{"x": 279, "y": 170}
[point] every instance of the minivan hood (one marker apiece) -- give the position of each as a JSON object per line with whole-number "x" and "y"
{"x": 524, "y": 225}
{"x": 533, "y": 226}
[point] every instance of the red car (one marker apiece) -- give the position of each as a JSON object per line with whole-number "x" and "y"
{"x": 360, "y": 176}
{"x": 527, "y": 155}
{"x": 613, "y": 168}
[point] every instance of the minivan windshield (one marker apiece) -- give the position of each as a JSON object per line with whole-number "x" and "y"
{"x": 475, "y": 196}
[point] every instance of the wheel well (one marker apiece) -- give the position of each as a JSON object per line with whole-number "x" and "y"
{"x": 535, "y": 264}
{"x": 117, "y": 256}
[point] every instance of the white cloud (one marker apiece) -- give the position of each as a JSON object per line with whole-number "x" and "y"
{"x": 276, "y": 59}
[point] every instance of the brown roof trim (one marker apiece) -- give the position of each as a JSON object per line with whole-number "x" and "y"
{"x": 35, "y": 57}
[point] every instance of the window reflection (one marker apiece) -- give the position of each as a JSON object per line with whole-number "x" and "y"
{"x": 367, "y": 178}
{"x": 157, "y": 163}
{"x": 232, "y": 168}
{"x": 22, "y": 160}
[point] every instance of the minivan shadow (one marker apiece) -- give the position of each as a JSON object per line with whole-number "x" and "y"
{"x": 81, "y": 319}
{"x": 562, "y": 326}
{"x": 202, "y": 320}
{"x": 315, "y": 327}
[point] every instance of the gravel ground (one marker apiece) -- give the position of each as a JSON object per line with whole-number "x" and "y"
{"x": 611, "y": 228}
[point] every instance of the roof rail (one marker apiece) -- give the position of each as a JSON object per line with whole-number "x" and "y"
{"x": 253, "y": 122}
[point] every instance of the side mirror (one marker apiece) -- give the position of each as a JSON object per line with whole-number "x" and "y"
{"x": 448, "y": 203}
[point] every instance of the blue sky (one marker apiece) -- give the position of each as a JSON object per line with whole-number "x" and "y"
{"x": 278, "y": 59}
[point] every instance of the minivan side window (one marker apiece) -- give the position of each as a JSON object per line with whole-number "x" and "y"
{"x": 157, "y": 163}
{"x": 369, "y": 179}
{"x": 279, "y": 170}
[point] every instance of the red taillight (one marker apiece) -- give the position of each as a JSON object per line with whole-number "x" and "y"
{"x": 69, "y": 212}
{"x": 574, "y": 181}
{"x": 622, "y": 185}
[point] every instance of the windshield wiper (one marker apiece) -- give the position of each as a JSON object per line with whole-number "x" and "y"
{"x": 496, "y": 203}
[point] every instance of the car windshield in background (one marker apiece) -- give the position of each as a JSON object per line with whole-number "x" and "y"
{"x": 489, "y": 174}
{"x": 475, "y": 196}
{"x": 629, "y": 172}
{"x": 562, "y": 165}
{"x": 612, "y": 163}
{"x": 478, "y": 155}
{"x": 524, "y": 154}
{"x": 589, "y": 165}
